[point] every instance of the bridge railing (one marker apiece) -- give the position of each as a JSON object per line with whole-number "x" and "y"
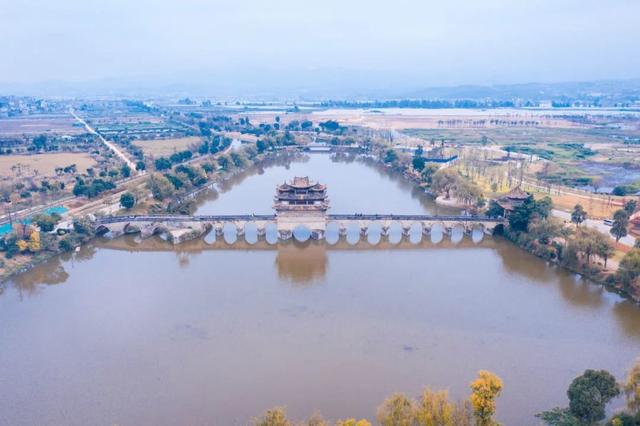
{"x": 271, "y": 217}
{"x": 416, "y": 217}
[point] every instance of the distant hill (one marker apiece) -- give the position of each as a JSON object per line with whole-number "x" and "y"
{"x": 618, "y": 90}
{"x": 326, "y": 84}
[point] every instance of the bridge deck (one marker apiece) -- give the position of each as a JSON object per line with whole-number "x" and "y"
{"x": 272, "y": 217}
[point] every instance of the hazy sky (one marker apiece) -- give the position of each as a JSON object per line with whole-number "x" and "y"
{"x": 432, "y": 42}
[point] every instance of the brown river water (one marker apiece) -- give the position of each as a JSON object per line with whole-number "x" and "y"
{"x": 134, "y": 333}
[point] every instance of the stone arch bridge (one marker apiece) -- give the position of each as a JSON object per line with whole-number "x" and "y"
{"x": 182, "y": 228}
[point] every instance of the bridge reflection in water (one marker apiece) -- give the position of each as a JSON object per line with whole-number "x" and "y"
{"x": 299, "y": 263}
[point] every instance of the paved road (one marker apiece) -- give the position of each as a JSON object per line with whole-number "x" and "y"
{"x": 108, "y": 144}
{"x": 597, "y": 224}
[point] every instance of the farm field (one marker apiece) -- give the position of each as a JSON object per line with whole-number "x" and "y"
{"x": 37, "y": 124}
{"x": 399, "y": 119}
{"x": 42, "y": 164}
{"x": 160, "y": 147}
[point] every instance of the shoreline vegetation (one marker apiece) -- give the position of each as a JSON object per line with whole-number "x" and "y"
{"x": 588, "y": 395}
{"x": 582, "y": 250}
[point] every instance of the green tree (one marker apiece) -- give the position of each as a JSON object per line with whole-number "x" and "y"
{"x": 529, "y": 210}
{"x": 631, "y": 388}
{"x": 545, "y": 230}
{"x": 390, "y": 156}
{"x": 125, "y": 171}
{"x": 418, "y": 163}
{"x": 495, "y": 210}
{"x": 445, "y": 181}
{"x": 428, "y": 171}
{"x": 559, "y": 417}
{"x": 603, "y": 248}
{"x": 40, "y": 142}
{"x": 238, "y": 158}
{"x": 520, "y": 217}
{"x": 45, "y": 222}
{"x": 65, "y": 245}
{"x": 162, "y": 163}
{"x": 160, "y": 186}
{"x": 140, "y": 165}
{"x": 589, "y": 394}
{"x": 630, "y": 207}
{"x": 578, "y": 215}
{"x": 543, "y": 207}
{"x": 397, "y": 410}
{"x": 629, "y": 269}
{"x": 127, "y": 200}
{"x": 620, "y": 224}
{"x": 224, "y": 161}
{"x": 589, "y": 241}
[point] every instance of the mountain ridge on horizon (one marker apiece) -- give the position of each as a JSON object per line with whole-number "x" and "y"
{"x": 332, "y": 87}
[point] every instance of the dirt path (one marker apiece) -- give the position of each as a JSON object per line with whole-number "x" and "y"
{"x": 109, "y": 145}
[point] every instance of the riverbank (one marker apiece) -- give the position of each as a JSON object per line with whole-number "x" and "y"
{"x": 231, "y": 177}
{"x": 595, "y": 274}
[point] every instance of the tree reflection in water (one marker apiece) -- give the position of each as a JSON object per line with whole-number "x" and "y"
{"x": 50, "y": 272}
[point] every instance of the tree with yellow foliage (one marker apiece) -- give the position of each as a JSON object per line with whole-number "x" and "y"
{"x": 435, "y": 409}
{"x": 353, "y": 422}
{"x": 316, "y": 419}
{"x": 34, "y": 242}
{"x": 632, "y": 388}
{"x": 484, "y": 391}
{"x": 397, "y": 410}
{"x": 273, "y": 417}
{"x": 22, "y": 245}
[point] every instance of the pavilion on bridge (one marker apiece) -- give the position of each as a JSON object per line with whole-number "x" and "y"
{"x": 301, "y": 195}
{"x": 301, "y": 202}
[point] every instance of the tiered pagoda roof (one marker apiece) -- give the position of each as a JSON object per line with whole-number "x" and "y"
{"x": 301, "y": 194}
{"x": 513, "y": 199}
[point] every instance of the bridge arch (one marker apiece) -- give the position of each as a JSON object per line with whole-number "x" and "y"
{"x": 437, "y": 232}
{"x": 415, "y": 232}
{"x": 394, "y": 232}
{"x": 271, "y": 233}
{"x": 211, "y": 236}
{"x": 229, "y": 233}
{"x": 353, "y": 233}
{"x": 130, "y": 228}
{"x": 102, "y": 230}
{"x": 250, "y": 232}
{"x": 457, "y": 232}
{"x": 477, "y": 232}
{"x": 301, "y": 233}
{"x": 374, "y": 233}
{"x": 332, "y": 232}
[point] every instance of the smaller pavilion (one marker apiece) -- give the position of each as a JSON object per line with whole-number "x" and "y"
{"x": 512, "y": 199}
